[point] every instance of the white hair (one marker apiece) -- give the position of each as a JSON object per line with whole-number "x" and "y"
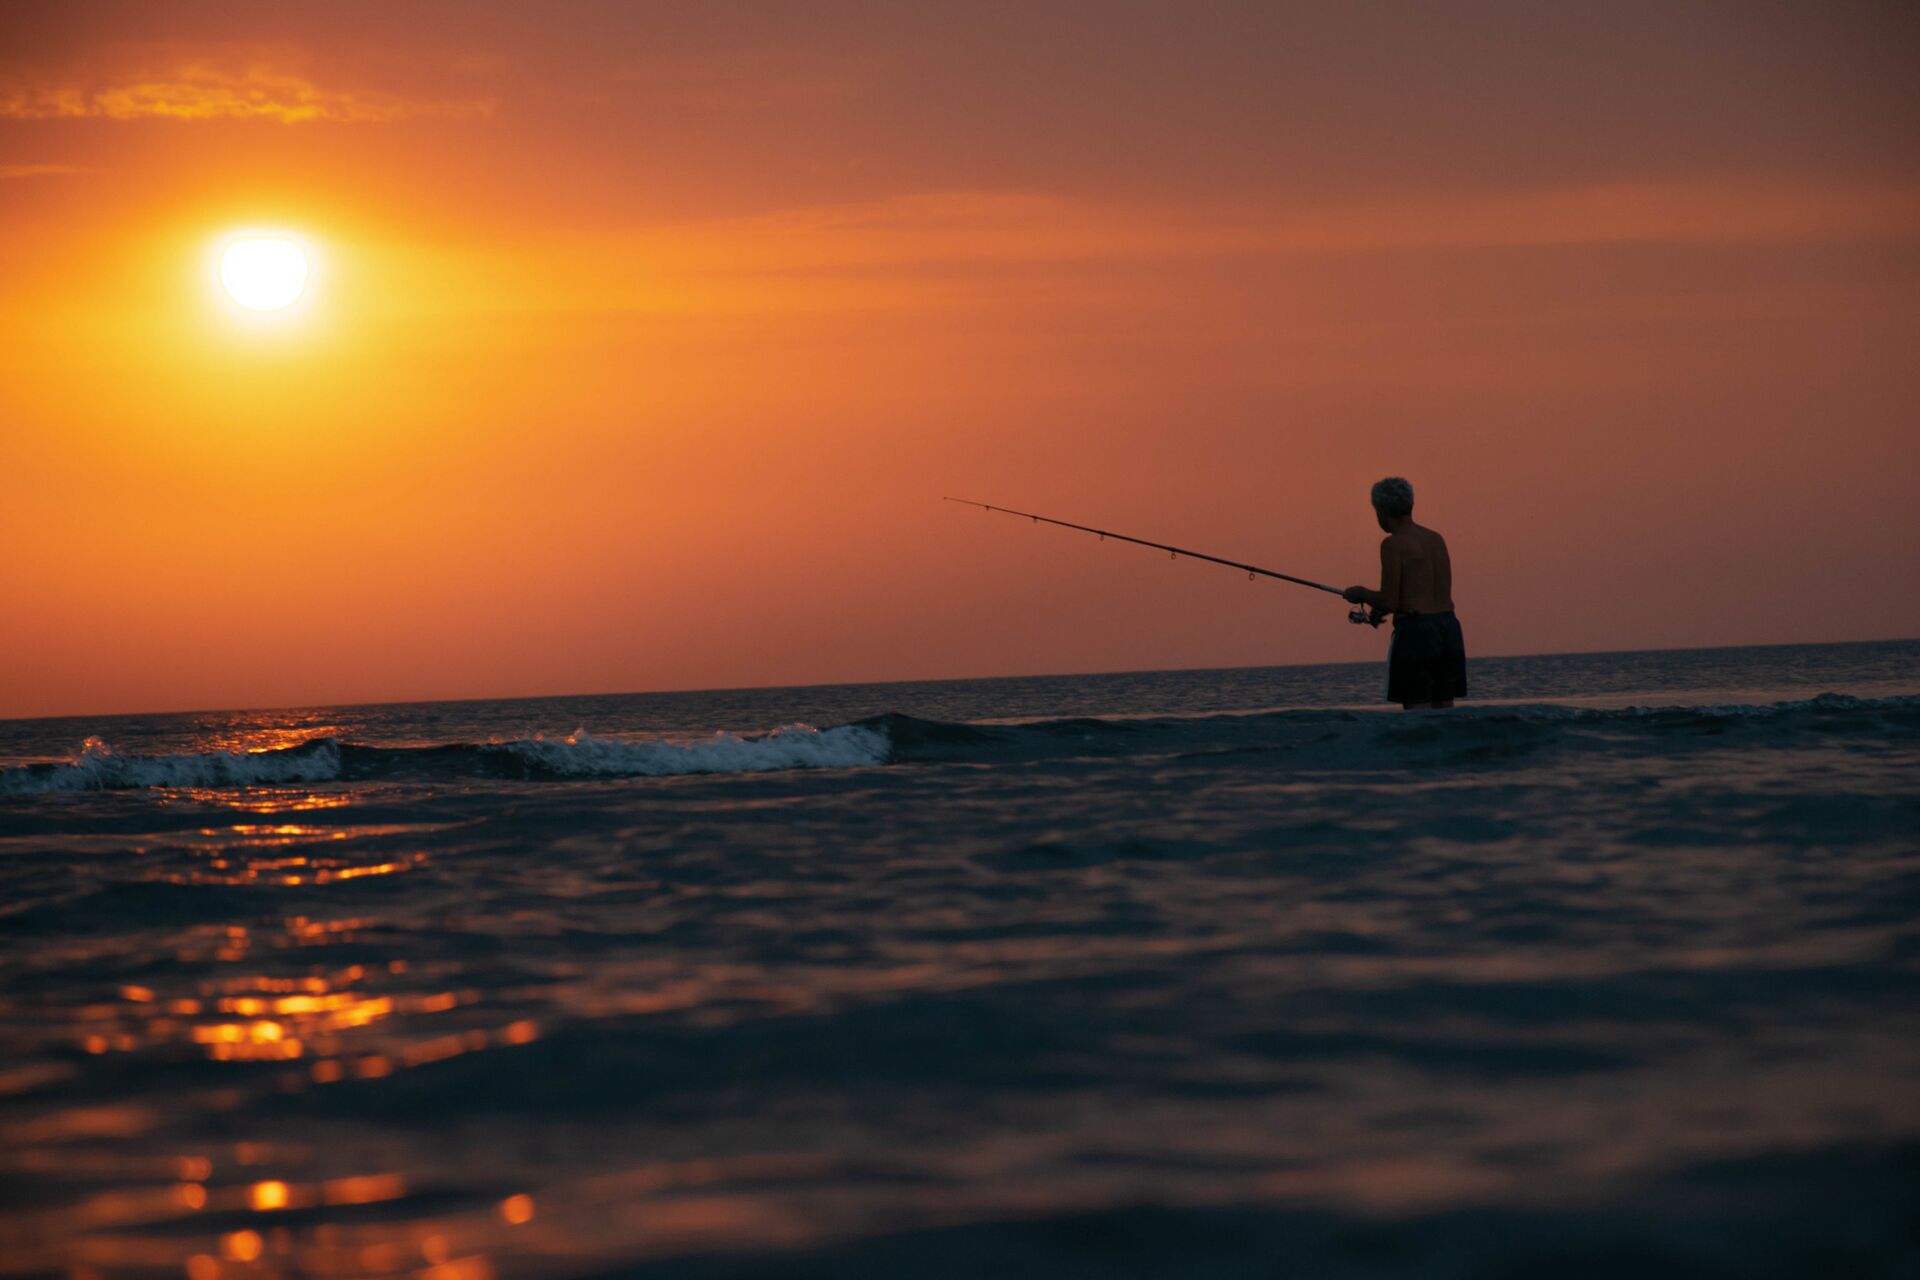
{"x": 1393, "y": 497}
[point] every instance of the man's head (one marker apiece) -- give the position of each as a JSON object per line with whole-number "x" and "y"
{"x": 1392, "y": 501}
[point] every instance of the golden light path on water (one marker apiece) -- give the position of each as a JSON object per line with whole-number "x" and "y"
{"x": 316, "y": 1024}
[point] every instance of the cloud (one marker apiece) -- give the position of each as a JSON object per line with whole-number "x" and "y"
{"x": 965, "y": 249}
{"x": 36, "y": 170}
{"x": 207, "y": 91}
{"x": 1011, "y": 226}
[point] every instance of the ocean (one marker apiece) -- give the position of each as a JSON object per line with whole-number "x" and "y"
{"x": 1608, "y": 972}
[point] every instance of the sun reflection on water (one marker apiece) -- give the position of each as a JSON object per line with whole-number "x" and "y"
{"x": 262, "y": 1018}
{"x": 272, "y": 1003}
{"x": 235, "y": 1018}
{"x": 259, "y": 800}
{"x": 288, "y": 853}
{"x": 239, "y": 735}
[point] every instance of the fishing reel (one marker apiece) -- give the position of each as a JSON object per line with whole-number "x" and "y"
{"x": 1364, "y": 617}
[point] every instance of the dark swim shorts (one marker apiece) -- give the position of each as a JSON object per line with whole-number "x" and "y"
{"x": 1427, "y": 659}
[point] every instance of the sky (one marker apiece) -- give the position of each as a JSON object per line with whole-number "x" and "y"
{"x": 642, "y": 341}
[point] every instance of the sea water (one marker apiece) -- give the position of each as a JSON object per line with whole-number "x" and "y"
{"x": 1610, "y": 971}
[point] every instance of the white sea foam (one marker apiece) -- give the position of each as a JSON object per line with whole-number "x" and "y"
{"x": 97, "y": 766}
{"x": 796, "y": 746}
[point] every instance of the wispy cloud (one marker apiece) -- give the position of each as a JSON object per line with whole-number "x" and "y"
{"x": 209, "y": 91}
{"x": 959, "y": 249}
{"x": 1009, "y": 226}
{"x": 36, "y": 170}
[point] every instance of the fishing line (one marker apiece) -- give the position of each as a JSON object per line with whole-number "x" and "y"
{"x": 1251, "y": 570}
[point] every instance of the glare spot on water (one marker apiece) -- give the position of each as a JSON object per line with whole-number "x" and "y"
{"x": 242, "y": 1246}
{"x": 366, "y": 1189}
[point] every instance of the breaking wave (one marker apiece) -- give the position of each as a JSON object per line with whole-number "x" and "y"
{"x": 1312, "y": 739}
{"x": 96, "y": 766}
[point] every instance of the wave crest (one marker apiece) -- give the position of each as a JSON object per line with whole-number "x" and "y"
{"x": 98, "y": 767}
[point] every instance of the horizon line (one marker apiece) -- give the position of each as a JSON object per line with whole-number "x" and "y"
{"x": 875, "y": 684}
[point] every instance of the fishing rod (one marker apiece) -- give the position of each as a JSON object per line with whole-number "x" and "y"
{"x": 1251, "y": 570}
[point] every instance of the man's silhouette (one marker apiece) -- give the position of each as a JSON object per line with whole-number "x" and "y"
{"x": 1427, "y": 659}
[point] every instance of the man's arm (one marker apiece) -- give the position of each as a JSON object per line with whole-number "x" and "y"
{"x": 1387, "y": 599}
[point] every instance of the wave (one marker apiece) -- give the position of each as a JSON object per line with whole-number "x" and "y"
{"x": 1320, "y": 739}
{"x": 97, "y": 767}
{"x": 1384, "y": 738}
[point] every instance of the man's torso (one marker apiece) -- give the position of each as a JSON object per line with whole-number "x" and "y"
{"x": 1426, "y": 572}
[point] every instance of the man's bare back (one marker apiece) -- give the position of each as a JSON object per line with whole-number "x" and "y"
{"x": 1416, "y": 576}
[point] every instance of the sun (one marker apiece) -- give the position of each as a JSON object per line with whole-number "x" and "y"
{"x": 264, "y": 273}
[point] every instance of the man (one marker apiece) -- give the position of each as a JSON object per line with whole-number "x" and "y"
{"x": 1426, "y": 659}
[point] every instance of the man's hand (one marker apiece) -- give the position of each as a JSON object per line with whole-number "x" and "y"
{"x": 1357, "y": 595}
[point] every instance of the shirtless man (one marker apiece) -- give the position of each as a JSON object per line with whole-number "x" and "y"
{"x": 1427, "y": 659}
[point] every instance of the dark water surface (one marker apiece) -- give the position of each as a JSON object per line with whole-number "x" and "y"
{"x": 1176, "y": 973}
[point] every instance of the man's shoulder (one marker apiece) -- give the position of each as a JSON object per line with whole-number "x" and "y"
{"x": 1413, "y": 540}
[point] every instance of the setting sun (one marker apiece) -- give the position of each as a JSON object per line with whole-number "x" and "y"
{"x": 264, "y": 273}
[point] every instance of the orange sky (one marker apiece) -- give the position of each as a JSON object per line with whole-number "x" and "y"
{"x": 644, "y": 339}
